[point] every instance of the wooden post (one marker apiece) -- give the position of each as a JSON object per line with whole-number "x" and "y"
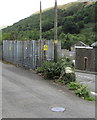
{"x": 55, "y": 32}
{"x": 40, "y": 53}
{"x": 40, "y": 21}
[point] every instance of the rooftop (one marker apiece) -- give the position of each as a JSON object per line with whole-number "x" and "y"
{"x": 94, "y": 44}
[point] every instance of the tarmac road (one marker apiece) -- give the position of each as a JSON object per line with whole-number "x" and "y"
{"x": 87, "y": 79}
{"x": 0, "y": 90}
{"x": 27, "y": 95}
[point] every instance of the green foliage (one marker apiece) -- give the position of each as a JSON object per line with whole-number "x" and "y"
{"x": 50, "y": 69}
{"x": 66, "y": 62}
{"x": 74, "y": 21}
{"x": 48, "y": 34}
{"x": 90, "y": 99}
{"x": 81, "y": 24}
{"x": 6, "y": 36}
{"x": 64, "y": 76}
{"x": 54, "y": 70}
{"x": 74, "y": 85}
{"x": 95, "y": 28}
{"x": 39, "y": 70}
{"x": 83, "y": 92}
{"x": 80, "y": 90}
{"x": 68, "y": 77}
{"x": 71, "y": 27}
{"x": 94, "y": 13}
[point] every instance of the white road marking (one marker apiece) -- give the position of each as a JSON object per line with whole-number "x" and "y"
{"x": 86, "y": 77}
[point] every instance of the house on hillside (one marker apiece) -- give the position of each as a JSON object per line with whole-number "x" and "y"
{"x": 86, "y": 58}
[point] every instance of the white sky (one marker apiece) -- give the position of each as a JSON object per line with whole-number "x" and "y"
{"x": 12, "y": 11}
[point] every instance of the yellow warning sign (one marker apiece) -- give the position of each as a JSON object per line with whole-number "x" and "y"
{"x": 45, "y": 47}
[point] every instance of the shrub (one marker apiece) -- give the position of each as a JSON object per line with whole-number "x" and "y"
{"x": 39, "y": 70}
{"x": 66, "y": 62}
{"x": 81, "y": 24}
{"x": 67, "y": 73}
{"x": 70, "y": 27}
{"x": 51, "y": 70}
{"x": 74, "y": 85}
{"x": 70, "y": 77}
{"x": 54, "y": 70}
{"x": 95, "y": 28}
{"x": 90, "y": 99}
{"x": 80, "y": 90}
{"x": 83, "y": 92}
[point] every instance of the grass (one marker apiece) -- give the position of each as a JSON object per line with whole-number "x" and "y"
{"x": 90, "y": 99}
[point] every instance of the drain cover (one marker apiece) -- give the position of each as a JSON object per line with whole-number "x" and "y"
{"x": 58, "y": 109}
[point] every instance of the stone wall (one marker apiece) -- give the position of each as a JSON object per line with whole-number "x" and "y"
{"x": 91, "y": 54}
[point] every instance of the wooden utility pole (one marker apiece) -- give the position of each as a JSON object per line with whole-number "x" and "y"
{"x": 40, "y": 50}
{"x": 40, "y": 21}
{"x": 55, "y": 32}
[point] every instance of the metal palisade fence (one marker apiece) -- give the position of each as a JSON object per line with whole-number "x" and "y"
{"x": 29, "y": 54}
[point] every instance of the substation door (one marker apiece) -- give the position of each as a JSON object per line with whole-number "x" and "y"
{"x": 85, "y": 63}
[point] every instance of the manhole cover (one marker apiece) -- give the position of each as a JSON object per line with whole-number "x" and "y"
{"x": 58, "y": 109}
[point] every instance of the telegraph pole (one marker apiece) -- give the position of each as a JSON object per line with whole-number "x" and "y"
{"x": 40, "y": 51}
{"x": 55, "y": 32}
{"x": 40, "y": 21}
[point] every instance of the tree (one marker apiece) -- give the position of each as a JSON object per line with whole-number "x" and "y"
{"x": 71, "y": 27}
{"x": 95, "y": 28}
{"x": 81, "y": 24}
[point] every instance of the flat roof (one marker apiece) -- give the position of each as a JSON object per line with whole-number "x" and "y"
{"x": 86, "y": 47}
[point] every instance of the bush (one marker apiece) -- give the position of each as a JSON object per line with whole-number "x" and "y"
{"x": 50, "y": 69}
{"x": 54, "y": 70}
{"x": 80, "y": 90}
{"x": 95, "y": 28}
{"x": 68, "y": 77}
{"x": 66, "y": 62}
{"x": 39, "y": 70}
{"x": 90, "y": 99}
{"x": 74, "y": 85}
{"x": 70, "y": 27}
{"x": 67, "y": 73}
{"x": 83, "y": 92}
{"x": 81, "y": 24}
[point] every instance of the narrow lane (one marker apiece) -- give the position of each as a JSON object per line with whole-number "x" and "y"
{"x": 27, "y": 95}
{"x": 87, "y": 79}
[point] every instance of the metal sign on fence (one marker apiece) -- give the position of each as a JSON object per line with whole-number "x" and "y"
{"x": 45, "y": 47}
{"x": 28, "y": 53}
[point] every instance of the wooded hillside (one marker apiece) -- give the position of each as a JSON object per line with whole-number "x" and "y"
{"x": 76, "y": 21}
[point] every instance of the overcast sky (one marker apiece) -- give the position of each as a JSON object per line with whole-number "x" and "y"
{"x": 12, "y": 11}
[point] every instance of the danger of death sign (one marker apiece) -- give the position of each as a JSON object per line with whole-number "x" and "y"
{"x": 45, "y": 47}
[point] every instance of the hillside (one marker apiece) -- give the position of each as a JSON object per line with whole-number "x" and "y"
{"x": 75, "y": 22}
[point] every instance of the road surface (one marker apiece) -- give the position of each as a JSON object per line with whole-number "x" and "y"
{"x": 28, "y": 95}
{"x": 87, "y": 79}
{"x": 0, "y": 90}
